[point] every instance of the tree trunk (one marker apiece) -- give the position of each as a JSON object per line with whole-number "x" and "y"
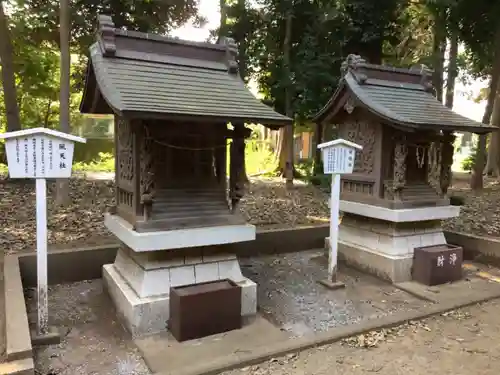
{"x": 242, "y": 64}
{"x": 493, "y": 163}
{"x": 223, "y": 19}
{"x": 318, "y": 138}
{"x": 439, "y": 46}
{"x": 476, "y": 181}
{"x": 8, "y": 77}
{"x": 288, "y": 132}
{"x": 62, "y": 193}
{"x": 47, "y": 114}
{"x": 452, "y": 70}
{"x": 285, "y": 144}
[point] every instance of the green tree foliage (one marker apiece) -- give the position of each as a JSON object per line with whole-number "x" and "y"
{"x": 324, "y": 33}
{"x": 34, "y": 25}
{"x": 41, "y": 21}
{"x": 477, "y": 23}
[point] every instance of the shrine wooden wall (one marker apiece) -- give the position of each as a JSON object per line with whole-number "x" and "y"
{"x": 362, "y": 128}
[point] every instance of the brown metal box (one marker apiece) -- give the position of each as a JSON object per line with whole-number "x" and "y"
{"x": 438, "y": 264}
{"x": 204, "y": 309}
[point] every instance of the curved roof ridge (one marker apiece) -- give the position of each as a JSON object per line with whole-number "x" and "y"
{"x": 400, "y": 97}
{"x": 138, "y": 79}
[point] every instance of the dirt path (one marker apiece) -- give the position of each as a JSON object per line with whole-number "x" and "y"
{"x": 461, "y": 342}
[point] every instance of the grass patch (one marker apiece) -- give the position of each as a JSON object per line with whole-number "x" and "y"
{"x": 305, "y": 172}
{"x": 104, "y": 163}
{"x": 259, "y": 158}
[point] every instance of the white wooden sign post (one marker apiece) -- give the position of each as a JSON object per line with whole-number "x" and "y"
{"x": 338, "y": 158}
{"x": 40, "y": 153}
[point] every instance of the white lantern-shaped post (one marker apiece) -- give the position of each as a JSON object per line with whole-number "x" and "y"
{"x": 39, "y": 154}
{"x": 338, "y": 158}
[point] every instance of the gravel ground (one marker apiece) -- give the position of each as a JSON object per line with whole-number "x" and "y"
{"x": 290, "y": 296}
{"x": 460, "y": 342}
{"x": 94, "y": 342}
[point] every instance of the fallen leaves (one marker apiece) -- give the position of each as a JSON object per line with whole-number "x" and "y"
{"x": 267, "y": 203}
{"x": 479, "y": 215}
{"x": 457, "y": 314}
{"x": 80, "y": 221}
{"x": 373, "y": 338}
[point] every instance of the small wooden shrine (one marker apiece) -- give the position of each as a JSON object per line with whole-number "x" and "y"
{"x": 406, "y": 134}
{"x": 172, "y": 101}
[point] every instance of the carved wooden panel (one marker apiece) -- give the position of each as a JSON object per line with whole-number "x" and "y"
{"x": 146, "y": 160}
{"x": 434, "y": 166}
{"x": 124, "y": 150}
{"x": 358, "y": 187}
{"x": 399, "y": 177}
{"x": 363, "y": 133}
{"x": 446, "y": 161}
{"x": 125, "y": 198}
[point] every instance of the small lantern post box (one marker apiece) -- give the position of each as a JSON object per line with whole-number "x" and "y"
{"x": 40, "y": 153}
{"x": 338, "y": 158}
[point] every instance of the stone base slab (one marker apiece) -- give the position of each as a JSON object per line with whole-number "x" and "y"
{"x": 389, "y": 239}
{"x": 400, "y": 215}
{"x": 151, "y": 276}
{"x": 393, "y": 269}
{"x": 148, "y": 315}
{"x": 385, "y": 248}
{"x": 177, "y": 239}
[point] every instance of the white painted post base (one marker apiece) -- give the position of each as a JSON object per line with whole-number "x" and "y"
{"x": 41, "y": 257}
{"x": 334, "y": 228}
{"x": 332, "y": 282}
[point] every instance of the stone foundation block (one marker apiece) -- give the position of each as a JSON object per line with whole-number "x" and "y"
{"x": 385, "y": 248}
{"x": 149, "y": 315}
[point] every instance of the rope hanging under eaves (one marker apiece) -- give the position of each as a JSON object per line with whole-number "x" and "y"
{"x": 164, "y": 144}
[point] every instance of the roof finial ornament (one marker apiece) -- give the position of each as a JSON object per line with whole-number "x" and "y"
{"x": 425, "y": 73}
{"x": 351, "y": 62}
{"x": 106, "y": 35}
{"x": 231, "y": 53}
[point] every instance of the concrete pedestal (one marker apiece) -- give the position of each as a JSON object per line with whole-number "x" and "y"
{"x": 381, "y": 241}
{"x": 139, "y": 282}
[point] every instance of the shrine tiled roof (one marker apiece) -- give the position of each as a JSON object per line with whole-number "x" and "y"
{"x": 402, "y": 97}
{"x": 142, "y": 74}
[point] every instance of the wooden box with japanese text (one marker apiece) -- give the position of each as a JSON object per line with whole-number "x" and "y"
{"x": 39, "y": 153}
{"x": 438, "y": 264}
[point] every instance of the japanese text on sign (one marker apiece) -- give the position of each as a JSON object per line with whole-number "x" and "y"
{"x": 62, "y": 156}
{"x": 452, "y": 260}
{"x": 40, "y": 156}
{"x": 39, "y": 153}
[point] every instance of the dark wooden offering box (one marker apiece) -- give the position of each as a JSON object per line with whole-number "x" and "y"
{"x": 204, "y": 309}
{"x": 438, "y": 264}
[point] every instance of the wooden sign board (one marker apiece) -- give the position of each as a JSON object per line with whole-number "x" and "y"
{"x": 39, "y": 153}
{"x": 338, "y": 156}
